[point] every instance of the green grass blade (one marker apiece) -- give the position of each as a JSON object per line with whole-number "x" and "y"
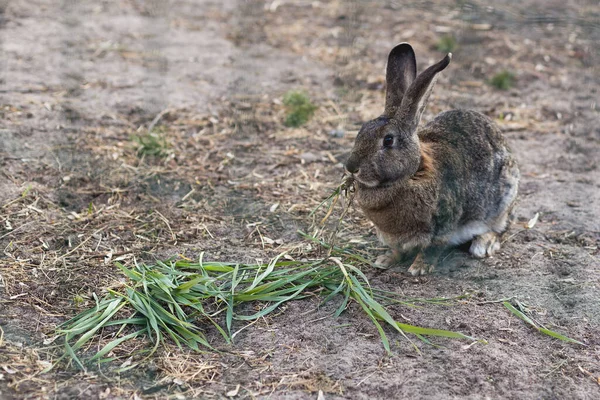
{"x": 328, "y": 199}
{"x": 71, "y": 352}
{"x": 229, "y": 315}
{"x": 107, "y": 348}
{"x": 369, "y": 312}
{"x": 105, "y": 317}
{"x": 545, "y": 331}
{"x": 336, "y": 291}
{"x": 519, "y": 314}
{"x": 417, "y": 330}
{"x": 559, "y": 336}
{"x": 87, "y": 315}
{"x": 375, "y": 307}
{"x": 185, "y": 287}
{"x": 267, "y": 272}
{"x": 344, "y": 303}
{"x": 134, "y": 276}
{"x": 270, "y": 308}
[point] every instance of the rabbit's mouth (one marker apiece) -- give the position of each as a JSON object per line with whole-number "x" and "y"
{"x": 370, "y": 183}
{"x": 375, "y": 184}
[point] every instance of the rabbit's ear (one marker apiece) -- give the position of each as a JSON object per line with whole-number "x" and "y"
{"x": 400, "y": 74}
{"x": 415, "y": 98}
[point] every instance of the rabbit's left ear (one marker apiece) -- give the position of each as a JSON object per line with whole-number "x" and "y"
{"x": 400, "y": 74}
{"x": 416, "y": 96}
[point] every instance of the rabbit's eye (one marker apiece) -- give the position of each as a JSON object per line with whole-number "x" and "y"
{"x": 388, "y": 141}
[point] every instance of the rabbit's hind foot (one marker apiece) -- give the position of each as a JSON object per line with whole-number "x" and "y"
{"x": 485, "y": 245}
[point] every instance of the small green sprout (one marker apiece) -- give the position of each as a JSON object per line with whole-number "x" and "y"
{"x": 26, "y": 191}
{"x": 78, "y": 300}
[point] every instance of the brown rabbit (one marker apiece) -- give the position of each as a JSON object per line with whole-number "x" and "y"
{"x": 449, "y": 182}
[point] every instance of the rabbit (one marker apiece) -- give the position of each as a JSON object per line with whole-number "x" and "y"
{"x": 451, "y": 181}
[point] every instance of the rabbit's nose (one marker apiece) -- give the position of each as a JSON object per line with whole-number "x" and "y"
{"x": 352, "y": 166}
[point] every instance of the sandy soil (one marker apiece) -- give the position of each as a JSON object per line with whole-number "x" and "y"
{"x": 80, "y": 79}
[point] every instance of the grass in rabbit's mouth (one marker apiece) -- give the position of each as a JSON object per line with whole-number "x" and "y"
{"x": 180, "y": 300}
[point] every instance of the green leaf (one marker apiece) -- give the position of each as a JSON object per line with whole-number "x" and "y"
{"x": 417, "y": 330}
{"x": 559, "y": 336}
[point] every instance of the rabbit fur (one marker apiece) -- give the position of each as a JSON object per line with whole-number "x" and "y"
{"x": 446, "y": 183}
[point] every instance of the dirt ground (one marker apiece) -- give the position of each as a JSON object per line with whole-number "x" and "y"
{"x": 80, "y": 79}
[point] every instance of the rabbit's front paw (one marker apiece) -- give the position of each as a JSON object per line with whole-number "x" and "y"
{"x": 485, "y": 245}
{"x": 386, "y": 260}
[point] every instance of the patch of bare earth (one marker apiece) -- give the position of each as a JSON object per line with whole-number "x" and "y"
{"x": 81, "y": 79}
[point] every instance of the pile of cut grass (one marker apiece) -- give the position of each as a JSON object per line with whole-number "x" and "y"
{"x": 179, "y": 300}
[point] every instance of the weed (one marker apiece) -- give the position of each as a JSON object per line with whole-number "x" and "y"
{"x": 299, "y": 108}
{"x": 152, "y": 143}
{"x": 503, "y": 80}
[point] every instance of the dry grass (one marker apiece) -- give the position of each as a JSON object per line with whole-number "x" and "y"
{"x": 235, "y": 182}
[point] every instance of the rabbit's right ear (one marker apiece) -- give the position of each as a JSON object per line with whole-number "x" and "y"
{"x": 415, "y": 98}
{"x": 400, "y": 74}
